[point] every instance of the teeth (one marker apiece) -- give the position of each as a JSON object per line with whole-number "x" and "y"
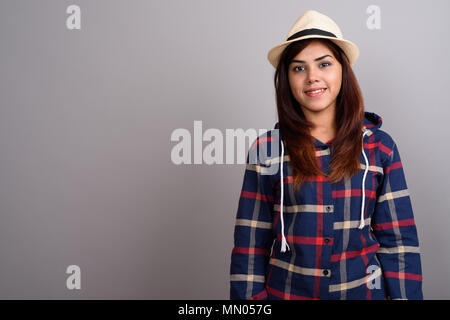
{"x": 320, "y": 90}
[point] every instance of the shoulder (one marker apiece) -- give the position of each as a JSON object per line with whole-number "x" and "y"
{"x": 385, "y": 143}
{"x": 384, "y": 137}
{"x": 266, "y": 147}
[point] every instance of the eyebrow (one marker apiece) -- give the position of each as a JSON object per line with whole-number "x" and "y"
{"x": 317, "y": 59}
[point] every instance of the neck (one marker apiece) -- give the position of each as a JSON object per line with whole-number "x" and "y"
{"x": 323, "y": 121}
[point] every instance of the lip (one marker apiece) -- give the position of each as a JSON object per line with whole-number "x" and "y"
{"x": 315, "y": 94}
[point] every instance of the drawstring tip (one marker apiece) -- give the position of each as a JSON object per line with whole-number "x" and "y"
{"x": 361, "y": 225}
{"x": 284, "y": 245}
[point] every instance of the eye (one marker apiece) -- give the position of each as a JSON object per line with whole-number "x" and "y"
{"x": 323, "y": 64}
{"x": 295, "y": 68}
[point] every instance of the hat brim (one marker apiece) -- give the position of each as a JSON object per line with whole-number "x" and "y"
{"x": 349, "y": 48}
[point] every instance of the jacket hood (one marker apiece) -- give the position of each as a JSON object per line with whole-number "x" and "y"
{"x": 372, "y": 122}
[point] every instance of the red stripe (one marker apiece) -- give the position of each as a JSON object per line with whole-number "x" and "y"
{"x": 245, "y": 250}
{"x": 384, "y": 149}
{"x": 256, "y": 195}
{"x": 371, "y": 145}
{"x": 319, "y": 228}
{"x": 288, "y": 179}
{"x": 402, "y": 275}
{"x": 270, "y": 268}
{"x": 353, "y": 254}
{"x": 259, "y": 296}
{"x": 393, "y": 166}
{"x": 378, "y": 145}
{"x": 394, "y": 224}
{"x": 286, "y": 296}
{"x": 318, "y": 241}
{"x": 260, "y": 140}
{"x": 366, "y": 262}
{"x": 353, "y": 193}
{"x": 372, "y": 159}
{"x": 317, "y": 178}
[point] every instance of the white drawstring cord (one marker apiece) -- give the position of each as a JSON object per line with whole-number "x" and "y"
{"x": 361, "y": 223}
{"x": 284, "y": 244}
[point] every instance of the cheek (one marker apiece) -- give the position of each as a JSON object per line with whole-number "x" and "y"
{"x": 296, "y": 87}
{"x": 336, "y": 82}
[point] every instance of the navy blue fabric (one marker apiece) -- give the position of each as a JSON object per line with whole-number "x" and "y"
{"x": 329, "y": 256}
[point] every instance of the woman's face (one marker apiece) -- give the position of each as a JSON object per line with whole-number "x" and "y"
{"x": 315, "y": 67}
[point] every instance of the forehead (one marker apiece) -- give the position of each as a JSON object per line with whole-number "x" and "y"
{"x": 313, "y": 50}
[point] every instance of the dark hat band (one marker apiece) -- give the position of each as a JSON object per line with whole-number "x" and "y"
{"x": 312, "y": 31}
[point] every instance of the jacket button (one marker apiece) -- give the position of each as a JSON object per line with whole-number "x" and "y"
{"x": 328, "y": 208}
{"x": 327, "y": 240}
{"x": 325, "y": 272}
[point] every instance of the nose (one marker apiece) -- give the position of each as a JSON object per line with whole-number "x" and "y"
{"x": 312, "y": 75}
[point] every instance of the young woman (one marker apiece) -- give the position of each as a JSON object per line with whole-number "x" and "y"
{"x": 335, "y": 221}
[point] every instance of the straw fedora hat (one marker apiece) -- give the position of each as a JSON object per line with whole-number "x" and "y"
{"x": 313, "y": 24}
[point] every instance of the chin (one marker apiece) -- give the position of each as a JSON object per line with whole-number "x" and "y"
{"x": 316, "y": 108}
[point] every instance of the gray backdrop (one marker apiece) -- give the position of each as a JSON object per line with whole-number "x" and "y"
{"x": 86, "y": 176}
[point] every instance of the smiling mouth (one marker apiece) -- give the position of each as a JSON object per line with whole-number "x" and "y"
{"x": 315, "y": 93}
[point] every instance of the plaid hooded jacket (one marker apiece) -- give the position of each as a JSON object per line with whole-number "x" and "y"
{"x": 356, "y": 240}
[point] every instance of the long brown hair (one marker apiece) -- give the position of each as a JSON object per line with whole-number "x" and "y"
{"x": 295, "y": 128}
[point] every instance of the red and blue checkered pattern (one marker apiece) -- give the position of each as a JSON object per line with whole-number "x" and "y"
{"x": 329, "y": 256}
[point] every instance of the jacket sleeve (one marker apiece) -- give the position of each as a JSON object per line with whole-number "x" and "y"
{"x": 253, "y": 235}
{"x": 394, "y": 227}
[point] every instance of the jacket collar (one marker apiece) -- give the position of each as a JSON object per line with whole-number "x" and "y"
{"x": 372, "y": 122}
